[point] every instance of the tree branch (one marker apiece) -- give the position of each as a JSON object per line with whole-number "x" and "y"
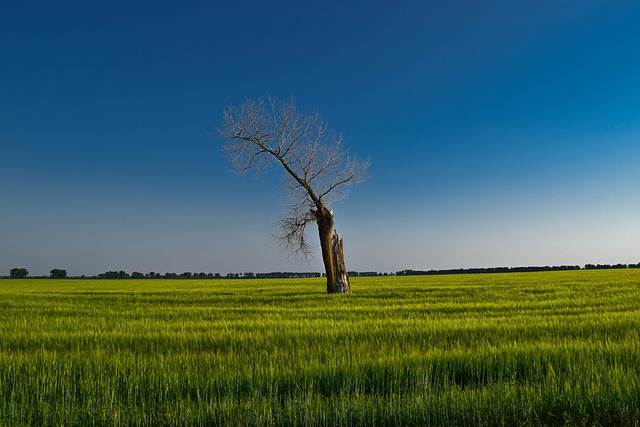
{"x": 260, "y": 133}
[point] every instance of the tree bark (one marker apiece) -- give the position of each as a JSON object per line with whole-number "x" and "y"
{"x": 340, "y": 276}
{"x": 324, "y": 218}
{"x": 332, "y": 256}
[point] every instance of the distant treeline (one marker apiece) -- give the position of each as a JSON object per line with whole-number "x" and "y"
{"x": 188, "y": 275}
{"x": 57, "y": 273}
{"x": 249, "y": 275}
{"x": 23, "y": 273}
{"x": 515, "y": 269}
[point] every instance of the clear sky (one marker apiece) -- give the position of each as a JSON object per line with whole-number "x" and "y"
{"x": 500, "y": 133}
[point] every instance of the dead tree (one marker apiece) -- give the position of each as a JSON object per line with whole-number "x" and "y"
{"x": 318, "y": 170}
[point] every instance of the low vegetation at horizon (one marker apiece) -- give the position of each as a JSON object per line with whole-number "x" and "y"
{"x": 552, "y": 348}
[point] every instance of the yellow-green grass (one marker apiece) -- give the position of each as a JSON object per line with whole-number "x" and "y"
{"x": 553, "y": 348}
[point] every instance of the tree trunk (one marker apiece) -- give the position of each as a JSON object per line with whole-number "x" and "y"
{"x": 340, "y": 276}
{"x": 332, "y": 256}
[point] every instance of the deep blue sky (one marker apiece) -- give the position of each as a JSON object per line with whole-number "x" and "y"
{"x": 500, "y": 133}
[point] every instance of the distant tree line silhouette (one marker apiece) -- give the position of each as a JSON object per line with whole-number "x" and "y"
{"x": 57, "y": 273}
{"x": 609, "y": 267}
{"x": 514, "y": 269}
{"x": 18, "y": 273}
{"x": 189, "y": 275}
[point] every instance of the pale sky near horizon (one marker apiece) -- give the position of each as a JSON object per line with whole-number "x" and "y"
{"x": 500, "y": 133}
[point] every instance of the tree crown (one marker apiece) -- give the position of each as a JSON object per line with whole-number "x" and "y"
{"x": 318, "y": 168}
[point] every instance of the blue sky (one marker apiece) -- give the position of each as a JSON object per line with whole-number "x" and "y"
{"x": 500, "y": 133}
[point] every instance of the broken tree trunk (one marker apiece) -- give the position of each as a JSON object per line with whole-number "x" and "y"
{"x": 324, "y": 219}
{"x": 340, "y": 277}
{"x": 332, "y": 256}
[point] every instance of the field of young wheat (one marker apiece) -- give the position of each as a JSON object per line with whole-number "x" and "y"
{"x": 559, "y": 348}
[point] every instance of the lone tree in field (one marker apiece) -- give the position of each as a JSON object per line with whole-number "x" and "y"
{"x": 318, "y": 169}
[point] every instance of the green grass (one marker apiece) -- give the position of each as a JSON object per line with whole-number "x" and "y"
{"x": 559, "y": 348}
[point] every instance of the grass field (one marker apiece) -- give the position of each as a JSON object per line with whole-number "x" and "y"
{"x": 558, "y": 348}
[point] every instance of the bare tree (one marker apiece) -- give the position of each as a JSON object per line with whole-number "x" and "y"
{"x": 318, "y": 170}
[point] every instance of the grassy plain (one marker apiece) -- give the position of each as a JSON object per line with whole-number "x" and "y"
{"x": 560, "y": 348}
